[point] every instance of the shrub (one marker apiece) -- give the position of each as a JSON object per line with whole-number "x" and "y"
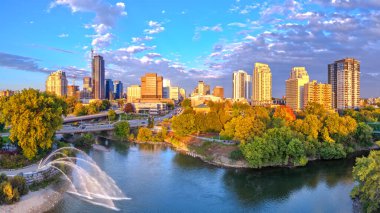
{"x": 19, "y": 183}
{"x": 332, "y": 151}
{"x": 236, "y": 155}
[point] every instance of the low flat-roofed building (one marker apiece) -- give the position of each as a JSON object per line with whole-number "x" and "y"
{"x": 201, "y": 108}
{"x": 151, "y": 108}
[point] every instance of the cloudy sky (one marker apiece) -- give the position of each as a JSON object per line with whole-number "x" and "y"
{"x": 187, "y": 41}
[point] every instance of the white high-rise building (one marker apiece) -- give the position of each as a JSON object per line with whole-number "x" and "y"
{"x": 166, "y": 88}
{"x": 57, "y": 83}
{"x": 241, "y": 85}
{"x": 261, "y": 85}
{"x": 295, "y": 88}
{"x": 344, "y": 77}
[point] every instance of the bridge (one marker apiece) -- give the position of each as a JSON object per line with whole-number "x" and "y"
{"x": 67, "y": 129}
{"x": 89, "y": 117}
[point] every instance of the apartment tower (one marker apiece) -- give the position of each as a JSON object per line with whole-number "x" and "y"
{"x": 320, "y": 93}
{"x": 57, "y": 83}
{"x": 295, "y": 88}
{"x": 241, "y": 85}
{"x": 261, "y": 85}
{"x": 344, "y": 77}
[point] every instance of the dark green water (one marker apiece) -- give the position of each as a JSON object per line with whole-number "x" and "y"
{"x": 161, "y": 180}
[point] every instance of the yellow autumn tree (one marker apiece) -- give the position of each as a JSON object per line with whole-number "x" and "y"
{"x": 34, "y": 118}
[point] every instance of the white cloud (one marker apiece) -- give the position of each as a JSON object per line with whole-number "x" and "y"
{"x": 63, "y": 35}
{"x": 155, "y": 27}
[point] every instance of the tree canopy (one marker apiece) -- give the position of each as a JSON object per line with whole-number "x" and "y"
{"x": 35, "y": 117}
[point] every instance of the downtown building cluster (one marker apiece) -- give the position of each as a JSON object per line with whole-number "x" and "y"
{"x": 341, "y": 92}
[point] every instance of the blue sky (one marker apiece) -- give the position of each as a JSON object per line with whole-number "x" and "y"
{"x": 187, "y": 41}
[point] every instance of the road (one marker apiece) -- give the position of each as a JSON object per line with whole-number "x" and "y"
{"x": 88, "y": 117}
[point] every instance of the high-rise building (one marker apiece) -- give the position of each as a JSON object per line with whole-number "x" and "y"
{"x": 295, "y": 88}
{"x": 118, "y": 89}
{"x": 87, "y": 88}
{"x": 166, "y": 88}
{"x": 151, "y": 86}
{"x": 109, "y": 89}
{"x": 174, "y": 93}
{"x": 73, "y": 91}
{"x": 344, "y": 77}
{"x": 241, "y": 85}
{"x": 98, "y": 79}
{"x": 57, "y": 83}
{"x": 261, "y": 85}
{"x": 182, "y": 92}
{"x": 218, "y": 92}
{"x": 201, "y": 89}
{"x": 320, "y": 93}
{"x": 133, "y": 93}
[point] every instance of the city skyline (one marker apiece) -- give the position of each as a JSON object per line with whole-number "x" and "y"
{"x": 183, "y": 46}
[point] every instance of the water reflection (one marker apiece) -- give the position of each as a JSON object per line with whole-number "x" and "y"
{"x": 256, "y": 186}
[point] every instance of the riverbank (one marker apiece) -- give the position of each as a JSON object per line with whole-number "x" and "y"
{"x": 218, "y": 154}
{"x": 38, "y": 201}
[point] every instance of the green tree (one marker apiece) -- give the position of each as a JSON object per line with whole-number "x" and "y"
{"x": 122, "y": 130}
{"x": 105, "y": 104}
{"x": 186, "y": 103}
{"x": 363, "y": 134}
{"x": 35, "y": 117}
{"x": 184, "y": 124}
{"x": 367, "y": 173}
{"x": 111, "y": 115}
{"x": 309, "y": 126}
{"x": 296, "y": 152}
{"x": 144, "y": 134}
{"x": 332, "y": 151}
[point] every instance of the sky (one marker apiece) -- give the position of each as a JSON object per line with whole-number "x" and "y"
{"x": 187, "y": 41}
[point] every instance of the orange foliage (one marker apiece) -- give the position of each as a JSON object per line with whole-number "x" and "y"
{"x": 284, "y": 112}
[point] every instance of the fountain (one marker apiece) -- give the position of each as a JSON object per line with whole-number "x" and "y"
{"x": 87, "y": 180}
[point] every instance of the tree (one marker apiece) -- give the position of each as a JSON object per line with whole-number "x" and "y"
{"x": 363, "y": 134}
{"x": 184, "y": 124}
{"x": 285, "y": 113}
{"x": 367, "y": 173}
{"x": 296, "y": 152}
{"x": 80, "y": 109}
{"x": 35, "y": 117}
{"x": 200, "y": 122}
{"x": 111, "y": 115}
{"x": 120, "y": 103}
{"x": 144, "y": 134}
{"x": 128, "y": 108}
{"x": 106, "y": 104}
{"x": 339, "y": 128}
{"x": 213, "y": 123}
{"x": 317, "y": 109}
{"x": 310, "y": 126}
{"x": 122, "y": 130}
{"x": 186, "y": 103}
{"x": 71, "y": 102}
{"x": 332, "y": 151}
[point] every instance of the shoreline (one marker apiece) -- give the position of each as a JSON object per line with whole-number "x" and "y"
{"x": 244, "y": 164}
{"x": 38, "y": 201}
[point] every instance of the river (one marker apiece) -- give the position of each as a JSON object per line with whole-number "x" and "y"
{"x": 160, "y": 180}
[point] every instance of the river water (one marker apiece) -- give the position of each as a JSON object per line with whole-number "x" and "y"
{"x": 160, "y": 180}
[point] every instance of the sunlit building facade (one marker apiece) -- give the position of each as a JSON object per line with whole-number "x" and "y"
{"x": 295, "y": 88}
{"x": 151, "y": 86}
{"x": 133, "y": 93}
{"x": 320, "y": 93}
{"x": 241, "y": 85}
{"x": 98, "y": 78}
{"x": 57, "y": 83}
{"x": 344, "y": 76}
{"x": 261, "y": 85}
